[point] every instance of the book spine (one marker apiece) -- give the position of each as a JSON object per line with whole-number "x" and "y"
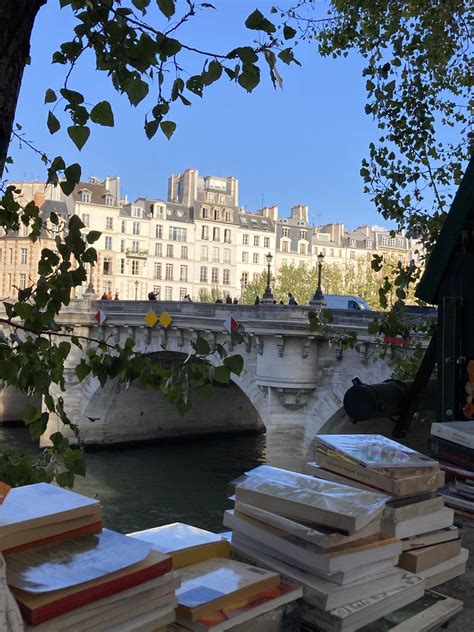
{"x": 444, "y": 431}
{"x": 94, "y": 593}
{"x": 451, "y": 452}
{"x": 96, "y": 527}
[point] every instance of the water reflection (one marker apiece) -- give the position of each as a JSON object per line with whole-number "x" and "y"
{"x": 144, "y": 486}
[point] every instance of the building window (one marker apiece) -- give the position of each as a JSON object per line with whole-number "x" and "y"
{"x": 209, "y": 196}
{"x": 215, "y": 275}
{"x": 226, "y": 276}
{"x": 137, "y": 211}
{"x": 203, "y": 274}
{"x": 122, "y": 266}
{"x": 184, "y": 252}
{"x": 217, "y": 215}
{"x": 177, "y": 234}
{"x": 215, "y": 234}
{"x": 109, "y": 200}
{"x": 369, "y": 243}
{"x": 215, "y": 254}
{"x": 384, "y": 240}
{"x": 168, "y": 293}
{"x": 22, "y": 281}
{"x": 266, "y": 242}
{"x": 157, "y": 271}
{"x": 159, "y": 211}
{"x": 169, "y": 250}
{"x": 400, "y": 243}
{"x": 226, "y": 255}
{"x": 245, "y": 278}
{"x": 169, "y": 272}
{"x": 85, "y": 219}
{"x": 25, "y": 231}
{"x": 124, "y": 227}
{"x": 302, "y": 234}
{"x": 285, "y": 232}
{"x": 158, "y": 250}
{"x": 182, "y": 293}
{"x": 122, "y": 245}
{"x": 157, "y": 292}
{"x": 221, "y": 199}
{"x": 204, "y": 253}
{"x": 302, "y": 249}
{"x": 392, "y": 242}
{"x": 23, "y": 256}
{"x": 284, "y": 246}
{"x": 352, "y": 255}
{"x": 108, "y": 243}
{"x": 183, "y": 273}
{"x": 107, "y": 268}
{"x": 245, "y": 240}
{"x": 227, "y": 235}
{"x": 86, "y": 197}
{"x": 245, "y": 257}
{"x": 205, "y": 213}
{"x": 135, "y": 246}
{"x": 135, "y": 267}
{"x": 255, "y": 257}
{"x": 228, "y": 216}
{"x": 256, "y": 240}
{"x": 10, "y": 255}
{"x": 136, "y": 228}
{"x": 205, "y": 232}
{"x": 331, "y": 252}
{"x": 158, "y": 231}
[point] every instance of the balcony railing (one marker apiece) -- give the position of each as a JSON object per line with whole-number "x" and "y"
{"x": 136, "y": 252}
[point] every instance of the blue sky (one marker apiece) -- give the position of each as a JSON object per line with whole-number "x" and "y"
{"x": 302, "y": 144}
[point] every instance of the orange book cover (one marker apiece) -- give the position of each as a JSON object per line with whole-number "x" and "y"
{"x": 95, "y": 527}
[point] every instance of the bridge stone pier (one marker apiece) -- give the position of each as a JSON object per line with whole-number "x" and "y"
{"x": 293, "y": 380}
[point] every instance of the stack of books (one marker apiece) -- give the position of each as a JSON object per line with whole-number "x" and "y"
{"x": 64, "y": 580}
{"x": 216, "y": 593}
{"x": 414, "y": 514}
{"x": 327, "y": 537}
{"x": 453, "y": 444}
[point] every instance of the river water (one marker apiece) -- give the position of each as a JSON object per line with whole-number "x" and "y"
{"x": 148, "y": 486}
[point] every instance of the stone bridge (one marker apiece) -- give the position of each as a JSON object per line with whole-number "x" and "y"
{"x": 293, "y": 380}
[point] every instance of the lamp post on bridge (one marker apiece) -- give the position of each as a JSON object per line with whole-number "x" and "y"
{"x": 242, "y": 287}
{"x": 318, "y": 296}
{"x": 136, "y": 290}
{"x": 268, "y": 294}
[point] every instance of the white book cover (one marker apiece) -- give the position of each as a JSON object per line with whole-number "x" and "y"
{"x": 319, "y": 536}
{"x": 374, "y": 451}
{"x": 41, "y": 503}
{"x": 361, "y": 612}
{"x": 322, "y": 593}
{"x": 460, "y": 432}
{"x": 359, "y": 552}
{"x": 175, "y": 537}
{"x": 440, "y": 519}
{"x": 306, "y": 497}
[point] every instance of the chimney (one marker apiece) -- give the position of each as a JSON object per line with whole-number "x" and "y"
{"x": 39, "y": 199}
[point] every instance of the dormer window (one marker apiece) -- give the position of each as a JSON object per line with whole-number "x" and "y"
{"x": 109, "y": 200}
{"x": 86, "y": 196}
{"x": 137, "y": 211}
{"x": 352, "y": 242}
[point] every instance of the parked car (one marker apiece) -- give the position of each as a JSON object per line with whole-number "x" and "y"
{"x": 344, "y": 301}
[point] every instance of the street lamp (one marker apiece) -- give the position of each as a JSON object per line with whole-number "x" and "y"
{"x": 318, "y": 296}
{"x": 268, "y": 295}
{"x": 136, "y": 290}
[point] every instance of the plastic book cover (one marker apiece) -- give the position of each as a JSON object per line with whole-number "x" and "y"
{"x": 375, "y": 451}
{"x": 219, "y": 577}
{"x": 71, "y": 562}
{"x": 176, "y": 536}
{"x": 27, "y": 506}
{"x": 313, "y": 492}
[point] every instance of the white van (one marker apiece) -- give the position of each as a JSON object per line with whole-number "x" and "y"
{"x": 344, "y": 301}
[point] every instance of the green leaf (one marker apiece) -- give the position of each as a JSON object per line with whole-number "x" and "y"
{"x": 257, "y": 22}
{"x": 136, "y": 90}
{"x": 102, "y": 114}
{"x": 222, "y": 374}
{"x": 288, "y": 32}
{"x": 234, "y": 363}
{"x": 93, "y": 236}
{"x": 82, "y": 371}
{"x": 78, "y": 135}
{"x": 151, "y": 128}
{"x": 202, "y": 346}
{"x": 53, "y": 123}
{"x": 31, "y": 413}
{"x": 195, "y": 84}
{"x": 65, "y": 479}
{"x": 72, "y": 96}
{"x": 73, "y": 176}
{"x": 206, "y": 392}
{"x": 50, "y": 96}
{"x": 167, "y": 7}
{"x": 141, "y": 4}
{"x": 213, "y": 73}
{"x": 168, "y": 128}
{"x": 38, "y": 426}
{"x": 249, "y": 78}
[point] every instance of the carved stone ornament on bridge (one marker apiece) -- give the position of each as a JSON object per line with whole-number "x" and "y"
{"x": 294, "y": 398}
{"x": 307, "y": 346}
{"x": 280, "y": 345}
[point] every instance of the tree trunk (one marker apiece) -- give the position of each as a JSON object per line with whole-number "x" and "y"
{"x": 16, "y": 23}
